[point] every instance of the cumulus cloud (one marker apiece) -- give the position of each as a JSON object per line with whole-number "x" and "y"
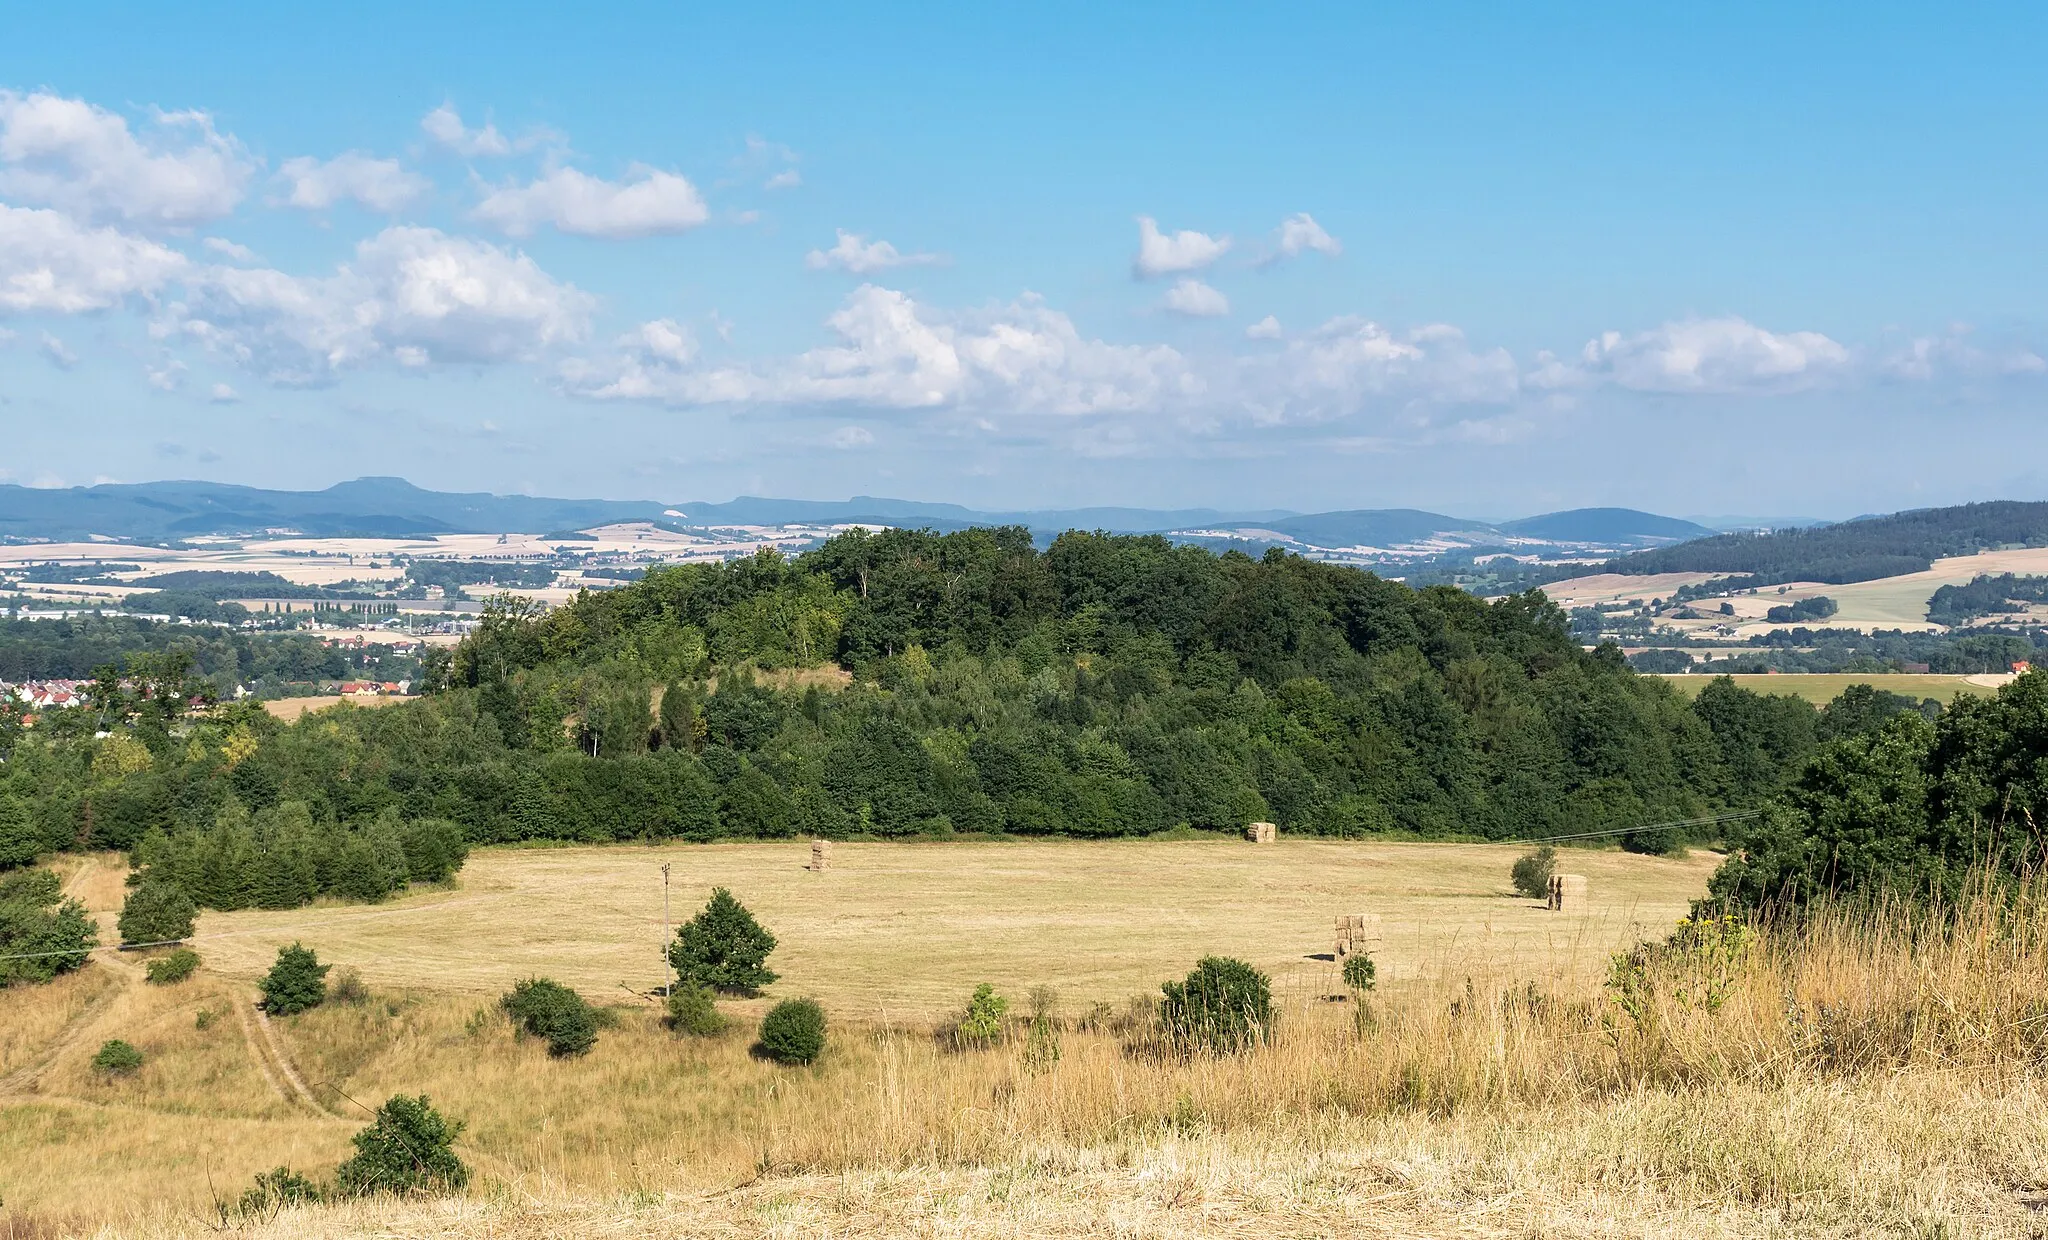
{"x": 229, "y": 249}
{"x": 1195, "y": 299}
{"x": 847, "y": 438}
{"x": 413, "y": 295}
{"x": 1165, "y": 254}
{"x": 222, "y": 394}
{"x": 788, "y": 178}
{"x": 1267, "y": 328}
{"x": 1301, "y": 232}
{"x": 84, "y": 160}
{"x": 1955, "y": 354}
{"x": 49, "y": 262}
{"x": 379, "y": 184}
{"x": 650, "y": 203}
{"x": 856, "y": 254}
{"x": 1703, "y": 355}
{"x": 58, "y": 352}
{"x": 167, "y": 377}
{"x": 1351, "y": 365}
{"x": 893, "y": 352}
{"x": 443, "y": 126}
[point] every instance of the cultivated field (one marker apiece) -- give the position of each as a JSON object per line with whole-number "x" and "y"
{"x": 1820, "y": 688}
{"x": 1846, "y": 1085}
{"x": 904, "y": 931}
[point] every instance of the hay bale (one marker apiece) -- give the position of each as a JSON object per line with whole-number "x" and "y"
{"x": 1356, "y": 932}
{"x": 1568, "y": 893}
{"x": 821, "y": 855}
{"x": 1261, "y": 832}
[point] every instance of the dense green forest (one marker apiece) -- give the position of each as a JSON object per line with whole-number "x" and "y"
{"x": 1104, "y": 686}
{"x": 72, "y": 649}
{"x": 1861, "y": 550}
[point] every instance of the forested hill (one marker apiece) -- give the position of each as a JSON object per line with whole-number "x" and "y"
{"x": 1107, "y": 685}
{"x": 1860, "y": 550}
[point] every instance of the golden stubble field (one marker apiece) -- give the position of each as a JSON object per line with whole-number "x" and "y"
{"x": 1489, "y": 1089}
{"x": 896, "y": 931}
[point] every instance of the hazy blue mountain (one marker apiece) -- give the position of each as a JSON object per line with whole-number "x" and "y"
{"x": 1606, "y": 526}
{"x": 1375, "y": 527}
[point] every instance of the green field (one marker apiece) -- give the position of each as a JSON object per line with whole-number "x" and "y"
{"x": 1821, "y": 688}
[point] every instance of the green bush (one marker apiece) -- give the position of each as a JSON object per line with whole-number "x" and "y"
{"x": 297, "y": 981}
{"x": 692, "y": 1011}
{"x": 794, "y": 1031}
{"x": 547, "y": 1009}
{"x": 1359, "y": 971}
{"x": 276, "y": 1189}
{"x": 724, "y": 948}
{"x": 117, "y": 1058}
{"x": 1532, "y": 872}
{"x": 1224, "y": 1005}
{"x": 983, "y": 1021}
{"x": 407, "y": 1149}
{"x": 158, "y": 911}
{"x": 175, "y": 967}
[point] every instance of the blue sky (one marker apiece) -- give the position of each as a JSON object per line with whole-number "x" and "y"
{"x": 1756, "y": 259}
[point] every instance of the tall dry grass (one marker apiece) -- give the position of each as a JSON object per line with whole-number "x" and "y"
{"x": 1873, "y": 1070}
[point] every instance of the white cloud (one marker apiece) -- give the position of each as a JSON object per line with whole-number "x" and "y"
{"x": 895, "y": 353}
{"x": 850, "y": 437}
{"x": 58, "y": 352}
{"x": 222, "y": 394}
{"x": 68, "y": 154}
{"x": 444, "y": 127}
{"x": 1352, "y": 365}
{"x": 1301, "y": 232}
{"x": 1195, "y": 299}
{"x": 1705, "y": 355}
{"x": 167, "y": 377}
{"x": 1164, "y": 254}
{"x": 663, "y": 340}
{"x": 1955, "y": 355}
{"x": 379, "y": 184}
{"x": 51, "y": 263}
{"x": 413, "y": 295}
{"x": 856, "y": 254}
{"x": 788, "y": 178}
{"x": 1267, "y": 328}
{"x": 229, "y": 249}
{"x": 651, "y": 203}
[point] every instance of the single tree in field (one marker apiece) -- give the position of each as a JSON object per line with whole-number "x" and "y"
{"x": 158, "y": 911}
{"x": 296, "y": 982}
{"x": 723, "y": 947}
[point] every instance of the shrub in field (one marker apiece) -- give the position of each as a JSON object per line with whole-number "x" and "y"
{"x": 691, "y": 1011}
{"x": 549, "y": 1010}
{"x": 1359, "y": 971}
{"x": 157, "y": 912}
{"x": 348, "y": 987}
{"x": 434, "y": 849}
{"x": 1043, "y": 1048}
{"x": 175, "y": 967}
{"x": 117, "y": 1058}
{"x": 983, "y": 1021}
{"x": 1532, "y": 872}
{"x": 407, "y": 1149}
{"x": 274, "y": 1190}
{"x": 297, "y": 981}
{"x": 794, "y": 1031}
{"x": 724, "y": 948}
{"x": 1224, "y": 1005}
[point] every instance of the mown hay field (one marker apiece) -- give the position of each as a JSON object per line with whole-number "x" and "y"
{"x": 1820, "y": 688}
{"x": 903, "y": 931}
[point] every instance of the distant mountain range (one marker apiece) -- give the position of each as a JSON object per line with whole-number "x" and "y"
{"x": 153, "y": 512}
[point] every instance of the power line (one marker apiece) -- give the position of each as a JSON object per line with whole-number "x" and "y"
{"x": 1709, "y": 821}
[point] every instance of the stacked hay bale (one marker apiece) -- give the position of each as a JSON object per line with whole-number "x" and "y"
{"x": 1567, "y": 893}
{"x": 1261, "y": 832}
{"x": 821, "y": 855}
{"x": 1356, "y": 932}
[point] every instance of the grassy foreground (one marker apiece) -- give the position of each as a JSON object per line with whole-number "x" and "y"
{"x": 1874, "y": 1075}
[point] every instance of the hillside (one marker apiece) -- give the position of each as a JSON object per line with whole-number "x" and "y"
{"x": 1861, "y": 550}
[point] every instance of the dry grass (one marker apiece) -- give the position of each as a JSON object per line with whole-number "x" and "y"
{"x": 1872, "y": 1075}
{"x": 292, "y": 709}
{"x": 1820, "y": 688}
{"x": 896, "y": 931}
